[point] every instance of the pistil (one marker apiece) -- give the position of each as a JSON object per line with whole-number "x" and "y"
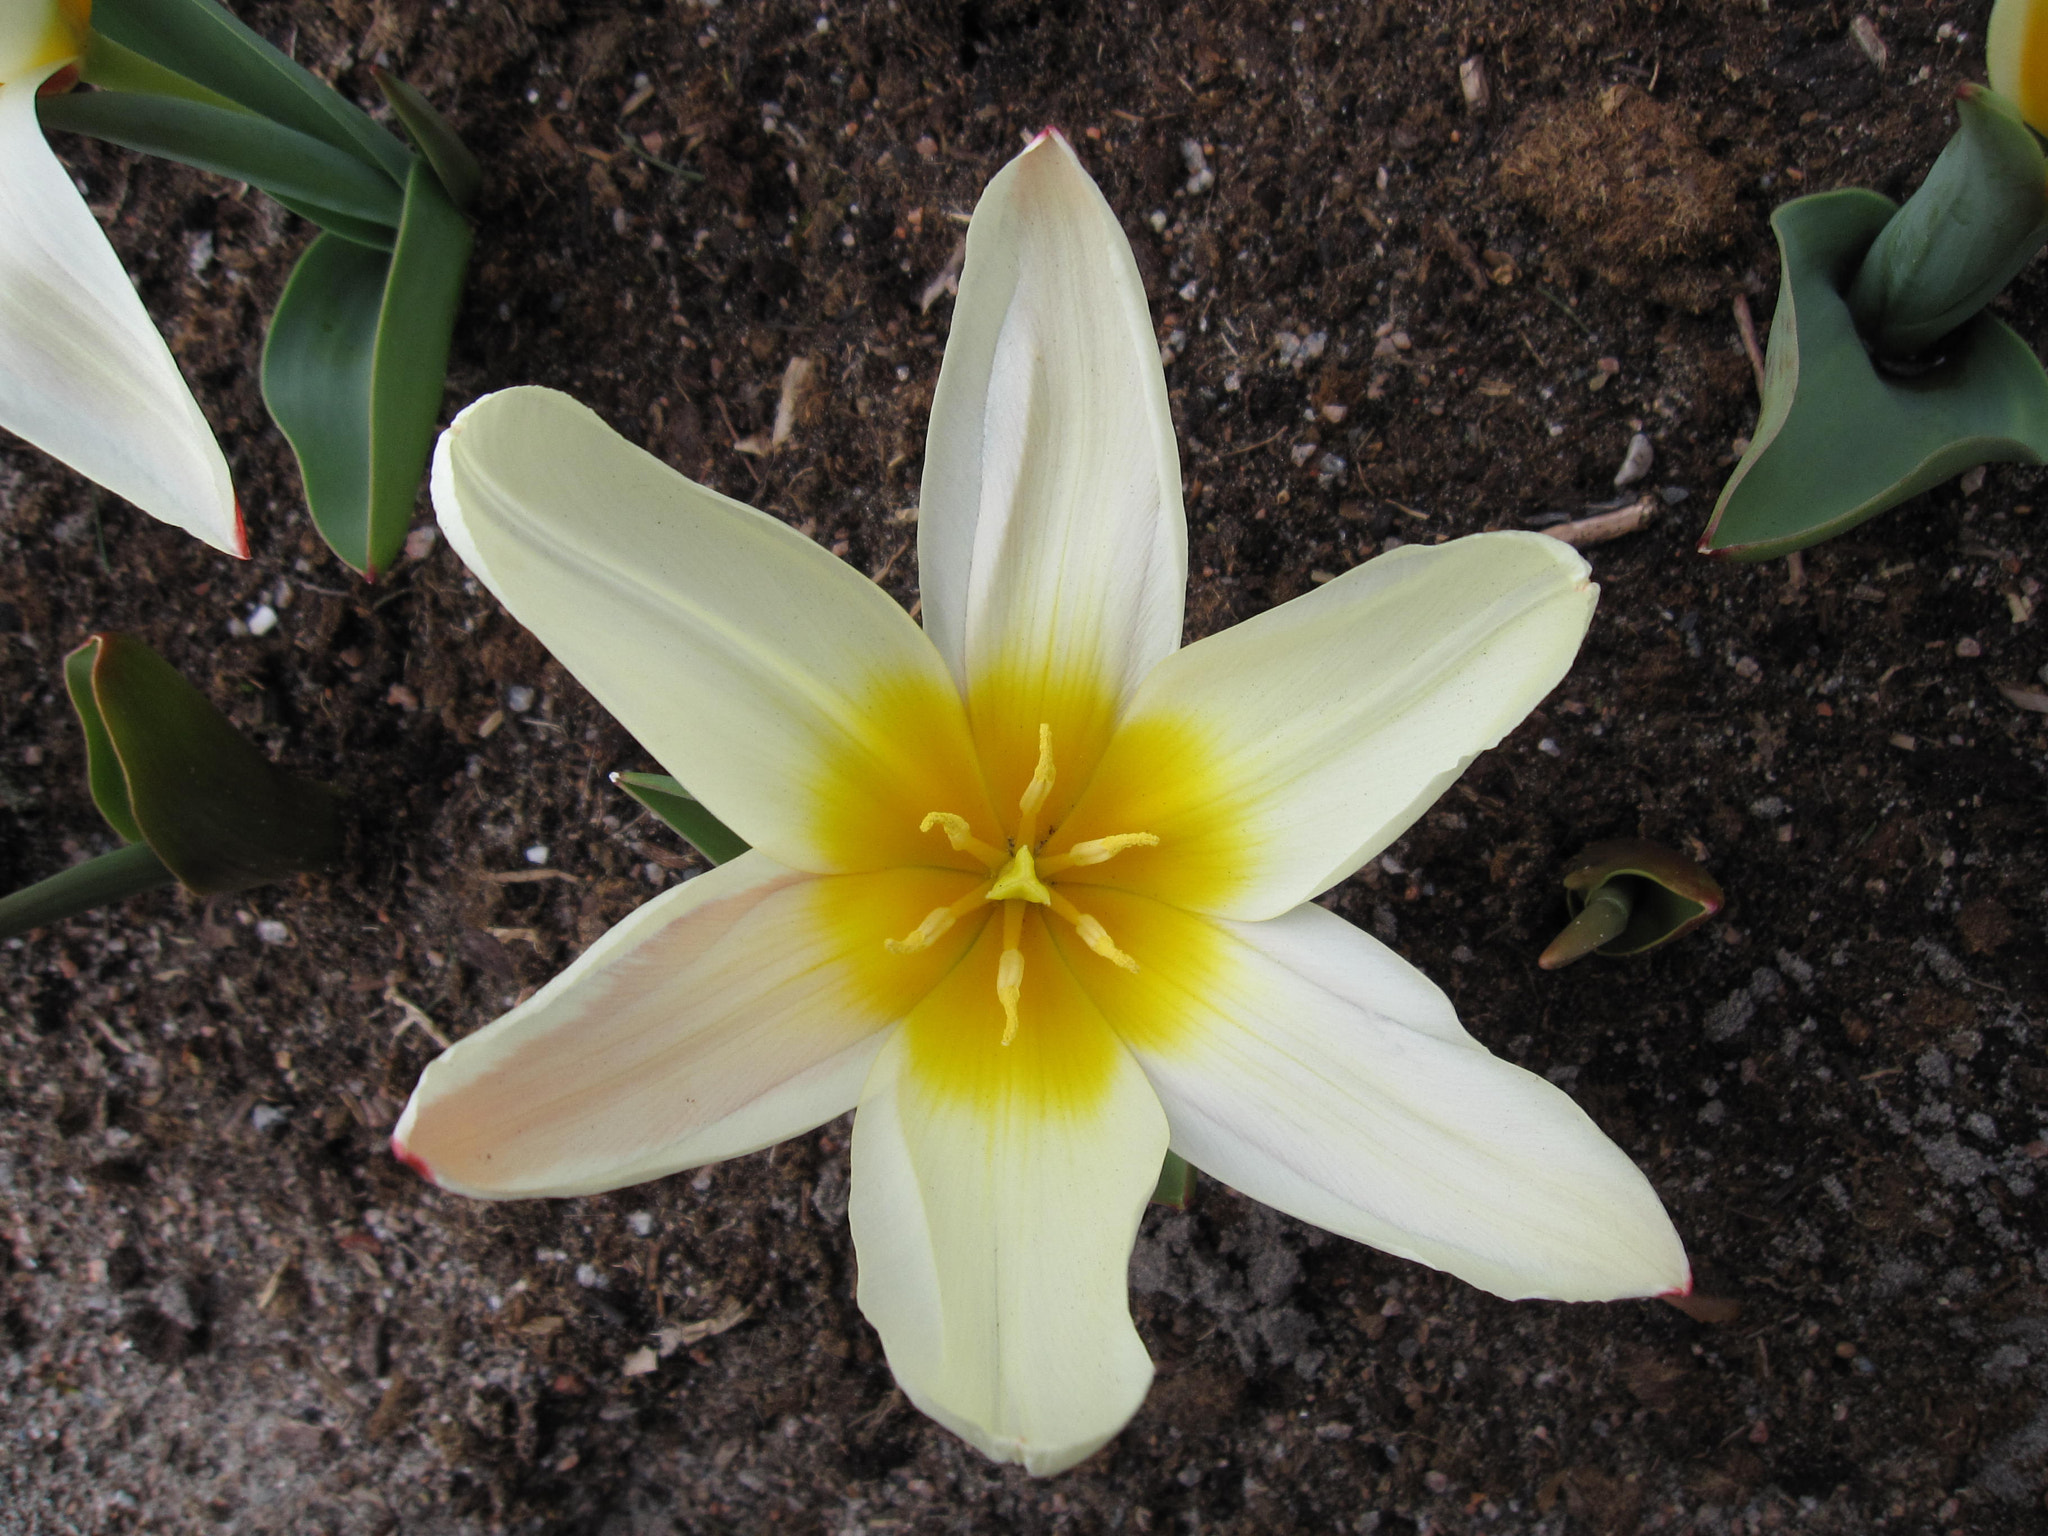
{"x": 1017, "y": 879}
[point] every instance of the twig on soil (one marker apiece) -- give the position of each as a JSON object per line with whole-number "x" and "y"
{"x": 1460, "y": 252}
{"x": 1567, "y": 311}
{"x": 1264, "y": 442}
{"x": 1606, "y": 525}
{"x": 640, "y": 152}
{"x": 415, "y": 1016}
{"x": 947, "y": 281}
{"x": 1745, "y": 325}
{"x": 528, "y": 876}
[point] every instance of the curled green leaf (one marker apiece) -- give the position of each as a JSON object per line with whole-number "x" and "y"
{"x": 1629, "y": 895}
{"x": 1837, "y": 440}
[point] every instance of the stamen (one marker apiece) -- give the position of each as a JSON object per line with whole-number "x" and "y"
{"x": 936, "y": 922}
{"x": 1099, "y": 850}
{"x": 1092, "y": 933}
{"x": 1010, "y": 969}
{"x": 962, "y": 839}
{"x": 1036, "y": 792}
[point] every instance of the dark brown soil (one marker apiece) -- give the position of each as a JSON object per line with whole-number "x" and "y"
{"x": 223, "y": 1306}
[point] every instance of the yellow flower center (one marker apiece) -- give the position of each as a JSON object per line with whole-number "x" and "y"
{"x": 1018, "y": 875}
{"x": 38, "y": 33}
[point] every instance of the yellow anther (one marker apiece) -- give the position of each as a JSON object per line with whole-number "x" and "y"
{"x": 1018, "y": 881}
{"x": 961, "y": 837}
{"x": 1036, "y": 792}
{"x": 1096, "y": 937}
{"x": 1092, "y": 933}
{"x": 1098, "y": 850}
{"x": 935, "y": 923}
{"x": 1010, "y": 969}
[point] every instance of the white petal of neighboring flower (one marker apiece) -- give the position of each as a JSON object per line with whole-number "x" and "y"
{"x": 731, "y": 1012}
{"x": 1307, "y": 1065}
{"x": 1051, "y": 548}
{"x": 1275, "y": 758}
{"x": 784, "y": 689}
{"x": 996, "y": 1195}
{"x": 84, "y": 373}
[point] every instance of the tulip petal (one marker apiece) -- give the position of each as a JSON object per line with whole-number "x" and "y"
{"x": 784, "y": 689}
{"x": 739, "y": 1008}
{"x": 1275, "y": 758}
{"x": 1307, "y": 1065}
{"x": 1051, "y": 545}
{"x": 996, "y": 1195}
{"x": 84, "y": 373}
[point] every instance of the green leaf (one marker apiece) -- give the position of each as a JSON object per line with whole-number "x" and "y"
{"x": 354, "y": 366}
{"x": 232, "y": 143}
{"x": 102, "y": 767}
{"x": 126, "y": 871}
{"x": 1176, "y": 1183}
{"x": 201, "y": 41}
{"x": 317, "y": 362}
{"x": 684, "y": 813}
{"x": 1836, "y": 440}
{"x": 461, "y": 177}
{"x": 218, "y": 813}
{"x": 376, "y": 237}
{"x": 111, "y": 67}
{"x": 413, "y": 336}
{"x": 1979, "y": 217}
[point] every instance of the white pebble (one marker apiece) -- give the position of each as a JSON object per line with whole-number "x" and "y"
{"x": 642, "y": 1223}
{"x": 262, "y": 619}
{"x": 537, "y": 854}
{"x": 264, "y": 1116}
{"x": 271, "y": 931}
{"x": 519, "y": 698}
{"x": 588, "y": 1277}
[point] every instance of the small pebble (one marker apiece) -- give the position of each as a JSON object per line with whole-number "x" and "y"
{"x": 271, "y": 931}
{"x": 262, "y": 620}
{"x": 642, "y": 1223}
{"x": 1636, "y": 464}
{"x": 265, "y": 1116}
{"x": 588, "y": 1277}
{"x": 639, "y": 1363}
{"x": 1549, "y": 746}
{"x": 1968, "y": 647}
{"x": 1200, "y": 177}
{"x": 537, "y": 854}
{"x": 519, "y": 698}
{"x": 1972, "y": 481}
{"x": 1472, "y": 81}
{"x": 419, "y": 542}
